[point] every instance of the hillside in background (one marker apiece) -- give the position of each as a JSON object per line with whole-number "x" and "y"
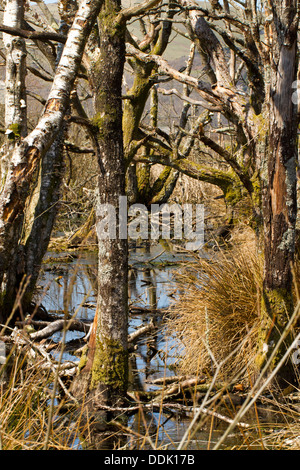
{"x": 176, "y": 53}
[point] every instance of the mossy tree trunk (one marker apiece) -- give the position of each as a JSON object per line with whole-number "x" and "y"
{"x": 139, "y": 188}
{"x": 265, "y": 121}
{"x": 106, "y": 370}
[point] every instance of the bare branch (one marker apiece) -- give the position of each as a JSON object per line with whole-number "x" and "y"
{"x": 203, "y": 88}
{"x": 47, "y": 13}
{"x": 137, "y": 10}
{"x": 173, "y": 91}
{"x": 195, "y": 170}
{"x": 40, "y": 74}
{"x": 230, "y": 159}
{"x": 40, "y": 35}
{"x": 75, "y": 149}
{"x": 36, "y": 97}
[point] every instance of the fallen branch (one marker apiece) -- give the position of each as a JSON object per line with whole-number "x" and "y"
{"x": 168, "y": 380}
{"x": 18, "y": 338}
{"x": 141, "y": 331}
{"x": 59, "y": 325}
{"x": 66, "y": 369}
{"x": 193, "y": 410}
{"x": 170, "y": 407}
{"x": 177, "y": 388}
{"x": 137, "y": 310}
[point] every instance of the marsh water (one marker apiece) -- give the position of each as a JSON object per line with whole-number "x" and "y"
{"x": 68, "y": 284}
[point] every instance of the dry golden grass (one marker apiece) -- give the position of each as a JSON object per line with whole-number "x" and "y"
{"x": 217, "y": 309}
{"x": 25, "y": 396}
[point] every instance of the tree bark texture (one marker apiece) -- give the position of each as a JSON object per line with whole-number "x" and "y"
{"x": 15, "y": 51}
{"x": 279, "y": 200}
{"x": 28, "y": 152}
{"x": 41, "y": 214}
{"x": 106, "y": 368}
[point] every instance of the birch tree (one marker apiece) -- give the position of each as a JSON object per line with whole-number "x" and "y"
{"x": 21, "y": 160}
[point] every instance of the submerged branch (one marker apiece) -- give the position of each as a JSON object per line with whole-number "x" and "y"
{"x": 170, "y": 407}
{"x": 141, "y": 331}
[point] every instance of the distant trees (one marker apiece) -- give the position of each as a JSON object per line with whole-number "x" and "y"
{"x": 146, "y": 145}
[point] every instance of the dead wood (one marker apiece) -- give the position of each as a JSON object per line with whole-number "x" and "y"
{"x": 170, "y": 407}
{"x": 140, "y": 332}
{"x": 58, "y": 325}
{"x": 178, "y": 388}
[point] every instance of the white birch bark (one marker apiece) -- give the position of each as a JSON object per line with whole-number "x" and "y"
{"x": 15, "y": 50}
{"x": 27, "y": 153}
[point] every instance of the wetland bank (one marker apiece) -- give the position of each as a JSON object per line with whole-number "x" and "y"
{"x": 172, "y": 377}
{"x": 160, "y": 102}
{"x": 190, "y": 367}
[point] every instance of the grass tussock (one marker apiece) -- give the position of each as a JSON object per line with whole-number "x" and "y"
{"x": 217, "y": 309}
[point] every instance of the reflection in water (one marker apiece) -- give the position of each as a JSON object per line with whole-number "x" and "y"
{"x": 72, "y": 287}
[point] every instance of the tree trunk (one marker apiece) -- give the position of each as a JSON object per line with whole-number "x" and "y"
{"x": 106, "y": 369}
{"x": 23, "y": 160}
{"x": 41, "y": 210}
{"x": 279, "y": 208}
{"x": 16, "y": 127}
{"x": 42, "y": 213}
{"x": 15, "y": 73}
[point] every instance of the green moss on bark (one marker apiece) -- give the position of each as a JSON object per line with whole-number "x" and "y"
{"x": 16, "y": 131}
{"x": 83, "y": 359}
{"x": 276, "y": 306}
{"x": 233, "y": 194}
{"x": 105, "y": 120}
{"x": 256, "y": 195}
{"x": 110, "y": 365}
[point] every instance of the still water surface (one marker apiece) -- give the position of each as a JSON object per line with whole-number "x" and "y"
{"x": 71, "y": 286}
